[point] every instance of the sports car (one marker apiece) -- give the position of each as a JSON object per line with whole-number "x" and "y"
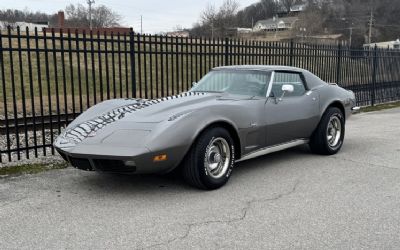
{"x": 234, "y": 113}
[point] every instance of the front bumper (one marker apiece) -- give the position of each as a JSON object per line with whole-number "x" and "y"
{"x": 92, "y": 163}
{"x": 142, "y": 163}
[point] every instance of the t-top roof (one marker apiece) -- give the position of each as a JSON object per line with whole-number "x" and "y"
{"x": 258, "y": 67}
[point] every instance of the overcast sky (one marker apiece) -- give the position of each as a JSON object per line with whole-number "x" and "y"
{"x": 158, "y": 15}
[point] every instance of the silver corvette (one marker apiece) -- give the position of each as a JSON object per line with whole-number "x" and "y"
{"x": 232, "y": 114}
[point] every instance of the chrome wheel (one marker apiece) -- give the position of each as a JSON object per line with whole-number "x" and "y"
{"x": 334, "y": 131}
{"x": 217, "y": 158}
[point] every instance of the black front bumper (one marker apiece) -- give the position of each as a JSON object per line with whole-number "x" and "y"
{"x": 104, "y": 165}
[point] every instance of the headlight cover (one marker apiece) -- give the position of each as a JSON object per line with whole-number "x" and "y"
{"x": 179, "y": 115}
{"x": 63, "y": 142}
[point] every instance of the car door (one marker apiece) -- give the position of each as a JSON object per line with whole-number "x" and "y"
{"x": 290, "y": 116}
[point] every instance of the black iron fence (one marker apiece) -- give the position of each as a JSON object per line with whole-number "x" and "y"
{"x": 47, "y": 79}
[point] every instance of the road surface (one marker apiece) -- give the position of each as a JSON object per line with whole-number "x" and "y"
{"x": 286, "y": 200}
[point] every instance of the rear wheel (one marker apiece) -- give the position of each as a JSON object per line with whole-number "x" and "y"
{"x": 209, "y": 163}
{"x": 328, "y": 138}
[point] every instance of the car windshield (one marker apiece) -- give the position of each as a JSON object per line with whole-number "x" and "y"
{"x": 239, "y": 82}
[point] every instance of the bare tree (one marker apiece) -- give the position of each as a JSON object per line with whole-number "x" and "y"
{"x": 350, "y": 18}
{"x": 105, "y": 17}
{"x": 259, "y": 11}
{"x": 217, "y": 22}
{"x": 288, "y": 4}
{"x": 228, "y": 10}
{"x": 209, "y": 14}
{"x": 77, "y": 16}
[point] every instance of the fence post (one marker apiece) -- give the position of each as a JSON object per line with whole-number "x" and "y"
{"x": 132, "y": 59}
{"x": 3, "y": 84}
{"x": 291, "y": 52}
{"x": 339, "y": 63}
{"x": 374, "y": 69}
{"x": 227, "y": 50}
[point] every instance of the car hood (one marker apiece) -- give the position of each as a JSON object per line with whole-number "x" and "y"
{"x": 138, "y": 111}
{"x": 162, "y": 109}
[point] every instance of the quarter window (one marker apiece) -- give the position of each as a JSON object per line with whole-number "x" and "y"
{"x": 284, "y": 78}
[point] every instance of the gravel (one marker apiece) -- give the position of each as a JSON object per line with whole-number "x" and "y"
{"x": 41, "y": 159}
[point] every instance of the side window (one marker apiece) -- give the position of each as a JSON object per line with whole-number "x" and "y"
{"x": 294, "y": 79}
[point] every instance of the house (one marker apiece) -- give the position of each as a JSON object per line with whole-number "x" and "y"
{"x": 298, "y": 8}
{"x": 327, "y": 39}
{"x": 179, "y": 33}
{"x": 24, "y": 25}
{"x": 244, "y": 30}
{"x": 275, "y": 24}
{"x": 61, "y": 27}
{"x": 383, "y": 45}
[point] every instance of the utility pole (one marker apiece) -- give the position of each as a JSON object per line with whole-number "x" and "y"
{"x": 90, "y": 2}
{"x": 141, "y": 24}
{"x": 371, "y": 20}
{"x": 212, "y": 29}
{"x": 351, "y": 36}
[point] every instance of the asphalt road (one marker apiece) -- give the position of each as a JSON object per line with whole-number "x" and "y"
{"x": 290, "y": 199}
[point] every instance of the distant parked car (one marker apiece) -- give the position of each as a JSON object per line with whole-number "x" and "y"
{"x": 233, "y": 114}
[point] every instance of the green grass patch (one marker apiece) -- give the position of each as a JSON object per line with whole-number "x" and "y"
{"x": 30, "y": 168}
{"x": 381, "y": 107}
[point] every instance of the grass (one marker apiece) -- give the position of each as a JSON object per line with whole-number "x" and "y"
{"x": 54, "y": 83}
{"x": 30, "y": 169}
{"x": 381, "y": 107}
{"x": 26, "y": 74}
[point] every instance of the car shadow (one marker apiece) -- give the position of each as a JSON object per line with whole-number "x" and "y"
{"x": 117, "y": 183}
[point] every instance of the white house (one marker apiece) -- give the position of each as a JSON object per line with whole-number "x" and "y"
{"x": 179, "y": 33}
{"x": 244, "y": 30}
{"x": 384, "y": 45}
{"x": 298, "y": 7}
{"x": 23, "y": 25}
{"x": 275, "y": 24}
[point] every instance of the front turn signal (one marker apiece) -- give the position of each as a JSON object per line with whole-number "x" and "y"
{"x": 159, "y": 158}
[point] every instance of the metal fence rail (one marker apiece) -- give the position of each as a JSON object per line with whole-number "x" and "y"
{"x": 47, "y": 79}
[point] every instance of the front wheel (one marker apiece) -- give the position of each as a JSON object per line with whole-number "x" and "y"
{"x": 209, "y": 163}
{"x": 328, "y": 138}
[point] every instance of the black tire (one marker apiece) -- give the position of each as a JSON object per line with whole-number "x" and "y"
{"x": 319, "y": 142}
{"x": 195, "y": 170}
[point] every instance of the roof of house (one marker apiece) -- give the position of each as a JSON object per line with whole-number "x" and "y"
{"x": 294, "y": 8}
{"x": 386, "y": 43}
{"x": 273, "y": 21}
{"x": 298, "y": 7}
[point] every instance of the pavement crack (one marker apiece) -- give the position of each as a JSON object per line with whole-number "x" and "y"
{"x": 366, "y": 163}
{"x": 12, "y": 202}
{"x": 244, "y": 213}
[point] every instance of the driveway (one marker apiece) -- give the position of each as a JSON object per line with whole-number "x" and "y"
{"x": 290, "y": 199}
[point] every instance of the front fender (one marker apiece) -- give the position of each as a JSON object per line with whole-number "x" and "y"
{"x": 181, "y": 133}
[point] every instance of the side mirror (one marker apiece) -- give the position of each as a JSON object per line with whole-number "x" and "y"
{"x": 286, "y": 88}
